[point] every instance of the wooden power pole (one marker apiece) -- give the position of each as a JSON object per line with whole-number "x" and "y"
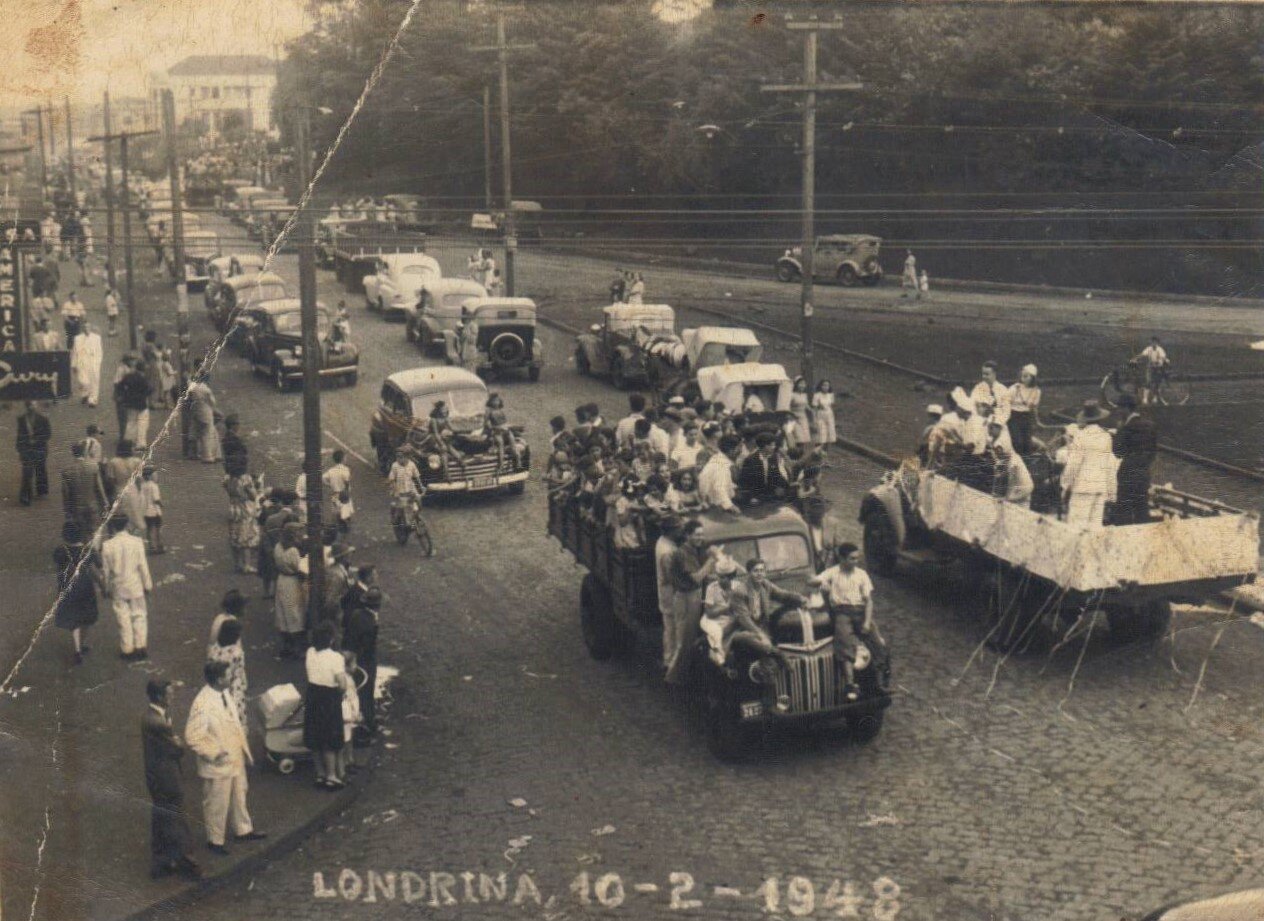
{"x": 177, "y": 228}
{"x": 810, "y": 26}
{"x": 112, "y": 278}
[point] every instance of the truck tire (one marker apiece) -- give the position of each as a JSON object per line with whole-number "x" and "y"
{"x": 596, "y": 619}
{"x": 507, "y": 350}
{"x": 847, "y": 276}
{"x": 1141, "y": 623}
{"x": 728, "y": 739}
{"x": 882, "y": 550}
{"x": 865, "y": 726}
{"x": 786, "y": 272}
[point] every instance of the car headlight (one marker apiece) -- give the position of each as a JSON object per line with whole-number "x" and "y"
{"x": 433, "y": 462}
{"x": 298, "y": 351}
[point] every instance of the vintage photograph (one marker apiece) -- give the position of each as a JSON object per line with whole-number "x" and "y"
{"x": 631, "y": 459}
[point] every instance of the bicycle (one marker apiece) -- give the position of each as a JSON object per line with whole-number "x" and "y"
{"x": 407, "y": 520}
{"x": 1134, "y": 379}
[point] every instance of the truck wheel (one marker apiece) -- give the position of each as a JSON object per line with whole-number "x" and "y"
{"x": 882, "y": 552}
{"x": 1141, "y": 623}
{"x": 617, "y": 375}
{"x": 517, "y": 489}
{"x": 864, "y": 727}
{"x": 596, "y": 620}
{"x": 727, "y": 738}
{"x": 847, "y": 276}
{"x": 581, "y": 363}
{"x": 786, "y": 272}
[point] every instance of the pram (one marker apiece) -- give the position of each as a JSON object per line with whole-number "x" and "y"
{"x": 281, "y": 707}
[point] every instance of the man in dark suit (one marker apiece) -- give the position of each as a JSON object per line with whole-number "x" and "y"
{"x": 359, "y": 636}
{"x": 82, "y": 492}
{"x": 236, "y": 454}
{"x": 169, "y": 830}
{"x": 34, "y": 432}
{"x": 763, "y": 477}
{"x": 1136, "y": 445}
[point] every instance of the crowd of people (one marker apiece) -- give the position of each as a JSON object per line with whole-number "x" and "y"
{"x": 987, "y": 438}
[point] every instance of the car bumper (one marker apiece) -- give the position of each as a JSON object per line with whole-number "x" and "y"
{"x": 875, "y": 704}
{"x": 479, "y": 484}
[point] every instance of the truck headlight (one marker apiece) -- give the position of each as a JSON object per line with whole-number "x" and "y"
{"x": 298, "y": 351}
{"x": 433, "y": 462}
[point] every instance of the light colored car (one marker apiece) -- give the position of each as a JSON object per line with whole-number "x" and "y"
{"x": 200, "y": 247}
{"x": 735, "y": 385}
{"x": 397, "y": 282}
{"x": 437, "y": 310}
{"x": 847, "y": 258}
{"x": 506, "y": 337}
{"x": 612, "y": 347}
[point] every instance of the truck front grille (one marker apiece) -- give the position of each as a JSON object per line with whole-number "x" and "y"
{"x": 473, "y": 467}
{"x": 811, "y": 682}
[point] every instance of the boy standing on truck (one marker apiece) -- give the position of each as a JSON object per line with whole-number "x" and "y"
{"x": 849, "y": 595}
{"x": 688, "y": 568}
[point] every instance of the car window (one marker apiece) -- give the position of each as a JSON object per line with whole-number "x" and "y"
{"x": 463, "y": 402}
{"x": 290, "y": 323}
{"x": 259, "y": 293}
{"x": 780, "y": 552}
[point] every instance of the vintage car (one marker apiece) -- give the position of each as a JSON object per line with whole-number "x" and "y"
{"x": 612, "y": 347}
{"x": 736, "y": 701}
{"x": 506, "y": 337}
{"x": 848, "y": 259}
{"x": 760, "y": 391}
{"x": 472, "y": 461}
{"x": 437, "y": 310}
{"x": 240, "y": 291}
{"x": 273, "y": 344}
{"x": 396, "y": 283}
{"x": 672, "y": 363}
{"x": 239, "y": 198}
{"x": 221, "y": 268}
{"x": 200, "y": 247}
{"x": 246, "y": 199}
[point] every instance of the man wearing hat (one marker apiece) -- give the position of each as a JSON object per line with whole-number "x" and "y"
{"x": 717, "y": 610}
{"x": 764, "y": 477}
{"x": 1089, "y": 480}
{"x": 1136, "y": 445}
{"x": 934, "y": 412}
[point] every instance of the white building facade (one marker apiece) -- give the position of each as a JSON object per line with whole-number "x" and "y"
{"x": 223, "y": 92}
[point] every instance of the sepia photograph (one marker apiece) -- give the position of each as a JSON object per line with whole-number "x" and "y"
{"x": 632, "y": 459}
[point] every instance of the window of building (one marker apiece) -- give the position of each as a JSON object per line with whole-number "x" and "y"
{"x": 215, "y": 92}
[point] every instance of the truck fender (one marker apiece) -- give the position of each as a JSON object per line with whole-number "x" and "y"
{"x": 587, "y": 344}
{"x": 885, "y": 500}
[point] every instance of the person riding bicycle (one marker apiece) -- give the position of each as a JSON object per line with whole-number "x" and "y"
{"x": 405, "y": 484}
{"x": 1155, "y": 363}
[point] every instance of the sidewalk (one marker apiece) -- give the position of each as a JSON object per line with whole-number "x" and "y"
{"x": 74, "y": 836}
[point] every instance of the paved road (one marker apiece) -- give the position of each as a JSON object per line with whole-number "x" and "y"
{"x": 1068, "y": 789}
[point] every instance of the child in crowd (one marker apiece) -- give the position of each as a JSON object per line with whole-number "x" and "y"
{"x": 151, "y": 505}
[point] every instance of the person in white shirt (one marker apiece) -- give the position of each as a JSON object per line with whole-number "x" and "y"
{"x": 625, "y": 429}
{"x": 72, "y": 316}
{"x": 848, "y": 593}
{"x": 991, "y": 391}
{"x": 214, "y": 733}
{"x": 717, "y": 484}
{"x": 1154, "y": 361}
{"x": 127, "y": 583}
{"x": 111, "y": 312}
{"x": 93, "y": 450}
{"x": 337, "y": 480}
{"x": 151, "y": 509}
{"x": 659, "y": 440}
{"x": 85, "y": 363}
{"x": 753, "y": 405}
{"x": 1018, "y": 485}
{"x": 685, "y": 455}
{"x": 667, "y": 544}
{"x": 404, "y": 482}
{"x": 1089, "y": 480}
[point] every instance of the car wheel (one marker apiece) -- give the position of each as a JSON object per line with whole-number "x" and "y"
{"x": 847, "y": 276}
{"x": 787, "y": 272}
{"x": 728, "y": 739}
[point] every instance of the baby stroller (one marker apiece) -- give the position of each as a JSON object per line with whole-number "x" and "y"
{"x": 282, "y": 709}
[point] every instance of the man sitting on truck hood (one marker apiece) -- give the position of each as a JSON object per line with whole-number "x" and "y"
{"x": 849, "y": 595}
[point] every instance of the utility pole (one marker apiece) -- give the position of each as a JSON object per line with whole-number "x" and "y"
{"x": 52, "y": 135}
{"x": 177, "y": 228}
{"x": 810, "y": 26}
{"x": 487, "y": 146}
{"x": 502, "y": 49}
{"x": 112, "y": 279}
{"x": 70, "y": 155}
{"x": 39, "y": 127}
{"x": 311, "y": 368}
{"x": 129, "y": 297}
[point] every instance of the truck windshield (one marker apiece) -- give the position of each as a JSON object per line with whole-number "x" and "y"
{"x": 780, "y": 552}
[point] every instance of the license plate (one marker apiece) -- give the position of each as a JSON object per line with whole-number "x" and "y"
{"x": 482, "y": 482}
{"x": 752, "y": 709}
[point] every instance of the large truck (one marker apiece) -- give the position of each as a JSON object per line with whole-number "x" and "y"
{"x": 353, "y": 248}
{"x": 738, "y": 704}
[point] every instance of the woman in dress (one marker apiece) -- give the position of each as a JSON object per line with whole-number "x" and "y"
{"x": 227, "y": 648}
{"x": 243, "y": 521}
{"x": 289, "y": 602}
{"x": 323, "y": 728}
{"x": 636, "y": 290}
{"x": 1024, "y": 408}
{"x": 825, "y": 424}
{"x": 76, "y": 597}
{"x": 202, "y": 399}
{"x": 231, "y": 607}
{"x": 801, "y": 410}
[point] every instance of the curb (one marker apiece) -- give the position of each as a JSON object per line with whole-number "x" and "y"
{"x": 287, "y": 842}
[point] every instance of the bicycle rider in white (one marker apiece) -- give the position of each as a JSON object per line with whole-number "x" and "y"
{"x": 1155, "y": 361}
{"x": 405, "y": 484}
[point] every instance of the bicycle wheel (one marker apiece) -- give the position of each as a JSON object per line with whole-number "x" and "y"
{"x": 1174, "y": 391}
{"x": 1115, "y": 384}
{"x": 423, "y": 536}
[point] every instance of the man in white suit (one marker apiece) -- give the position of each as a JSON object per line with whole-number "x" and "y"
{"x": 128, "y": 583}
{"x": 215, "y": 734}
{"x": 85, "y": 362}
{"x": 1089, "y": 480}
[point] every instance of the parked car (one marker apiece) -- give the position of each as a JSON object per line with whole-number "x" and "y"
{"x": 273, "y": 343}
{"x": 437, "y": 310}
{"x": 200, "y": 247}
{"x": 397, "y": 280}
{"x": 611, "y": 346}
{"x": 239, "y": 199}
{"x": 506, "y": 337}
{"x": 849, "y": 259}
{"x": 240, "y": 291}
{"x": 473, "y": 463}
